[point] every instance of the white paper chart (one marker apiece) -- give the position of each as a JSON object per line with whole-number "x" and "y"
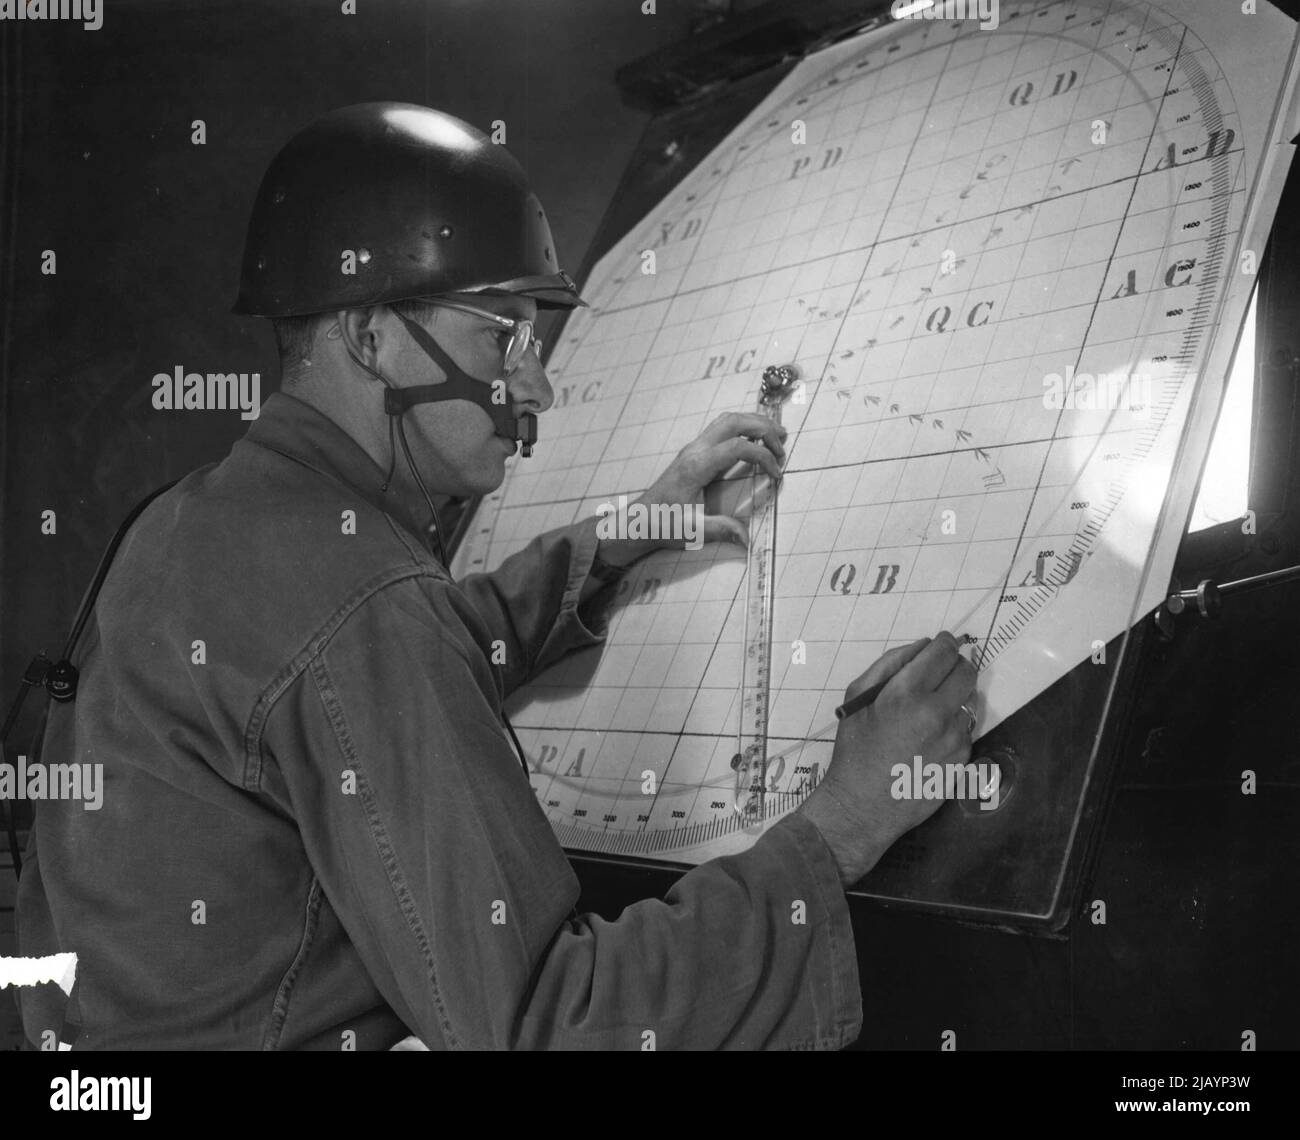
{"x": 931, "y": 221}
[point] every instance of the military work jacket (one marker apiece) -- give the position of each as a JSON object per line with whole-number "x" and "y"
{"x": 314, "y": 831}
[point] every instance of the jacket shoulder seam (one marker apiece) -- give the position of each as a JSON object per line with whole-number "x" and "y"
{"x": 316, "y": 645}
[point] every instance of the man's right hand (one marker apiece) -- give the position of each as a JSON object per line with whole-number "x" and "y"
{"x": 917, "y": 713}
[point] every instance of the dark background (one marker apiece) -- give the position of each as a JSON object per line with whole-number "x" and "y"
{"x": 1201, "y": 883}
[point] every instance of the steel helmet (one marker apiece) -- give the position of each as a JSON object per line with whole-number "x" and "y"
{"x": 413, "y": 201}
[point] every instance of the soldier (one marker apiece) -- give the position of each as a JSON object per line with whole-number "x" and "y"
{"x": 314, "y": 832}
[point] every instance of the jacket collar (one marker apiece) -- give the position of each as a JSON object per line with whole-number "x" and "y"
{"x": 299, "y": 432}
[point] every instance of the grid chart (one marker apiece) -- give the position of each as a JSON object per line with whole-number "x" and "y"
{"x": 949, "y": 234}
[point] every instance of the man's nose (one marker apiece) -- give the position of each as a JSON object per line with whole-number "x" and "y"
{"x": 528, "y": 385}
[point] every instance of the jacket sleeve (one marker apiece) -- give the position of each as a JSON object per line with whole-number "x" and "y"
{"x": 432, "y": 848}
{"x": 530, "y": 602}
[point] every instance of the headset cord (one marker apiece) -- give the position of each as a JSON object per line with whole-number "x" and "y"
{"x": 60, "y": 677}
{"x": 437, "y": 528}
{"x": 406, "y": 450}
{"x": 419, "y": 482}
{"x": 519, "y": 748}
{"x": 437, "y": 533}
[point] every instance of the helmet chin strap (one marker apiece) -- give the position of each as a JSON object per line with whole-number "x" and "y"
{"x": 458, "y": 385}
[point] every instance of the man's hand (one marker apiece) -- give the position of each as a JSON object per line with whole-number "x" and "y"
{"x": 735, "y": 437}
{"x": 918, "y": 713}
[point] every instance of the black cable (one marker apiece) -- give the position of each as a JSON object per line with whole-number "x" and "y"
{"x": 428, "y": 499}
{"x": 101, "y": 571}
{"x": 410, "y": 462}
{"x": 519, "y": 748}
{"x": 392, "y": 454}
{"x": 437, "y": 531}
{"x": 415, "y": 474}
{"x": 41, "y": 671}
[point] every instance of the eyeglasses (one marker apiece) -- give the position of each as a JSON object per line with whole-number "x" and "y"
{"x": 521, "y": 331}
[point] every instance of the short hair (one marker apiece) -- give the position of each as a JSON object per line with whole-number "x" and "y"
{"x": 294, "y": 336}
{"x": 418, "y": 311}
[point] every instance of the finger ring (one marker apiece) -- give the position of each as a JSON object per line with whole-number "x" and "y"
{"x": 970, "y": 712}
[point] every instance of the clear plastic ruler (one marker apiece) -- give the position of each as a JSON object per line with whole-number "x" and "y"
{"x": 751, "y": 761}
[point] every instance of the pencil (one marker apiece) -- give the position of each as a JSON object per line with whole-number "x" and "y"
{"x": 860, "y": 702}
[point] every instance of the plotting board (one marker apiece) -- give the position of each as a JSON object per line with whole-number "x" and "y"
{"x": 962, "y": 215}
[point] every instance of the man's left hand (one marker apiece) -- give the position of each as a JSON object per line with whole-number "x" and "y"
{"x": 734, "y": 437}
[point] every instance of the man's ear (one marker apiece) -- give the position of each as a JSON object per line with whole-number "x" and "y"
{"x": 358, "y": 329}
